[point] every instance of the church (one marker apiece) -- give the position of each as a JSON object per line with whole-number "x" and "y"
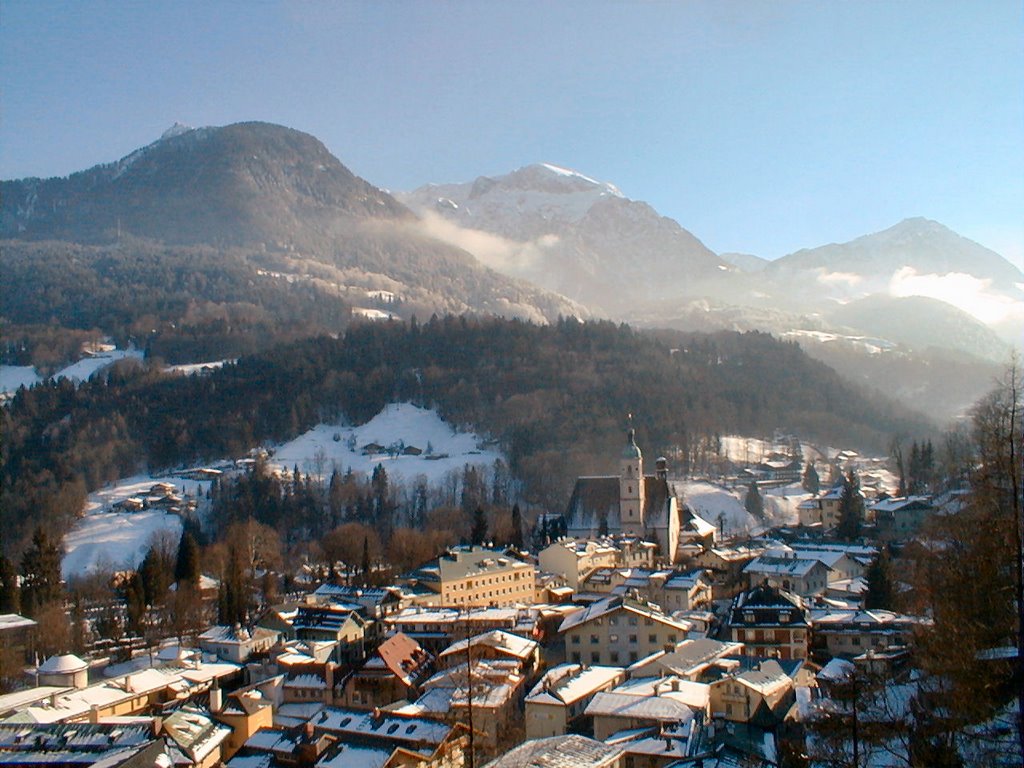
{"x": 630, "y": 503}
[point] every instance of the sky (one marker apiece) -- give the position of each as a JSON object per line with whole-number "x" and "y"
{"x": 762, "y": 127}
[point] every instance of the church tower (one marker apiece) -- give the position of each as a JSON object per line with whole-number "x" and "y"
{"x": 631, "y": 487}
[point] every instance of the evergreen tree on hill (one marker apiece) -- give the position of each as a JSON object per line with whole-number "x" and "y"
{"x": 517, "y": 528}
{"x": 187, "y": 568}
{"x": 880, "y": 592}
{"x": 40, "y": 570}
{"x": 810, "y": 481}
{"x": 478, "y": 534}
{"x": 851, "y": 508}
{"x": 753, "y": 502}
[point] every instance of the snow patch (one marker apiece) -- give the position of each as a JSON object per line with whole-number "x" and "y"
{"x": 14, "y": 376}
{"x": 398, "y": 427}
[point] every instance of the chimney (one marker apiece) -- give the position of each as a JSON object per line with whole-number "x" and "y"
{"x": 216, "y": 698}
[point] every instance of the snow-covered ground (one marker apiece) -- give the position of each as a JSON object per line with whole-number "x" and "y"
{"x": 711, "y": 501}
{"x": 780, "y": 504}
{"x": 14, "y": 376}
{"x": 105, "y": 538}
{"x": 398, "y": 426}
{"x": 190, "y": 368}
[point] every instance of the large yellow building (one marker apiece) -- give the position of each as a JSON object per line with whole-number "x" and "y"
{"x": 478, "y": 577}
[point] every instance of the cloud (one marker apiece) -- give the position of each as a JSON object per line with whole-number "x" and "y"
{"x": 848, "y": 279}
{"x": 972, "y": 294}
{"x": 494, "y": 251}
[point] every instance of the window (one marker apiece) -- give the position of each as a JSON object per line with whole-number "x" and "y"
{"x": 652, "y": 639}
{"x": 576, "y": 656}
{"x": 613, "y": 638}
{"x": 648, "y": 622}
{"x": 632, "y": 639}
{"x": 671, "y": 638}
{"x": 595, "y": 658}
{"x": 613, "y": 621}
{"x": 749, "y": 617}
{"x": 593, "y": 640}
{"x": 632, "y": 656}
{"x": 575, "y": 639}
{"x": 783, "y": 618}
{"x": 614, "y": 655}
{"x": 632, "y": 621}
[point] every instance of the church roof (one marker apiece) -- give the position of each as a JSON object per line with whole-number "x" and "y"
{"x": 631, "y": 451}
{"x": 594, "y": 498}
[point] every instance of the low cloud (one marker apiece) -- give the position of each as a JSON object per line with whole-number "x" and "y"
{"x": 494, "y": 251}
{"x": 847, "y": 279}
{"x": 973, "y": 295}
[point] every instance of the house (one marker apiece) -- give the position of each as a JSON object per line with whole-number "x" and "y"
{"x": 196, "y": 735}
{"x": 395, "y": 671}
{"x": 67, "y": 671}
{"x": 760, "y": 696}
{"x": 475, "y": 576}
{"x": 848, "y": 634}
{"x": 437, "y": 628}
{"x": 806, "y": 577}
{"x": 631, "y": 503}
{"x": 574, "y": 558}
{"x": 493, "y": 689}
{"x": 416, "y": 740}
{"x": 900, "y": 518}
{"x": 618, "y": 630}
{"x": 496, "y": 644}
{"x": 571, "y": 751}
{"x": 60, "y": 744}
{"x": 614, "y": 712}
{"x": 769, "y": 621}
{"x": 688, "y": 661}
{"x": 823, "y": 509}
{"x": 671, "y": 590}
{"x": 560, "y": 698}
{"x": 237, "y": 644}
{"x": 244, "y": 711}
{"x": 334, "y": 623}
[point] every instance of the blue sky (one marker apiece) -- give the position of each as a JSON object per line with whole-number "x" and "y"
{"x": 762, "y": 127}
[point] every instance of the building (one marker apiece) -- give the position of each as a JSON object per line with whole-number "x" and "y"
{"x": 79, "y": 744}
{"x": 558, "y": 701}
{"x": 630, "y": 503}
{"x": 333, "y": 623}
{"x": 614, "y": 712}
{"x": 478, "y": 577}
{"x": 671, "y": 590}
{"x": 760, "y": 695}
{"x": 901, "y": 518}
{"x": 575, "y": 558}
{"x": 688, "y": 661}
{"x": 496, "y": 645}
{"x": 769, "y": 622}
{"x": 806, "y": 577}
{"x": 572, "y": 751}
{"x": 395, "y": 671}
{"x": 618, "y": 630}
{"x": 822, "y": 510}
{"x": 236, "y": 644}
{"x": 848, "y": 634}
{"x": 18, "y": 637}
{"x": 67, "y": 671}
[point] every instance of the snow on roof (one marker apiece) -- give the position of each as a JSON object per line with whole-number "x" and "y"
{"x": 306, "y": 681}
{"x": 836, "y": 670}
{"x": 66, "y": 664}
{"x": 386, "y": 725}
{"x": 790, "y": 566}
{"x": 505, "y": 642}
{"x": 569, "y": 751}
{"x": 695, "y": 695}
{"x": 767, "y": 679}
{"x": 14, "y": 621}
{"x": 616, "y": 603}
{"x": 656, "y": 708}
{"x": 356, "y": 756}
{"x": 568, "y": 683}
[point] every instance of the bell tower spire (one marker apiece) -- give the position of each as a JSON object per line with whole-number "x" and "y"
{"x": 631, "y": 485}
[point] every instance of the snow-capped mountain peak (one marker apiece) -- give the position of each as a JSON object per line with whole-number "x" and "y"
{"x": 175, "y": 130}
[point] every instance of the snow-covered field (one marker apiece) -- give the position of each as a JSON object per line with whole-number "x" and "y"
{"x": 398, "y": 426}
{"x": 190, "y": 368}
{"x": 105, "y": 538}
{"x": 14, "y": 376}
{"x": 711, "y": 501}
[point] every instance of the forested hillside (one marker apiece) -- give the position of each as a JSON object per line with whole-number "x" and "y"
{"x": 556, "y": 397}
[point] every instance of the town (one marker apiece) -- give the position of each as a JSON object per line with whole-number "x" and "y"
{"x": 625, "y": 631}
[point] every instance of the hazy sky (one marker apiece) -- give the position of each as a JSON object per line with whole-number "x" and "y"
{"x": 761, "y": 127}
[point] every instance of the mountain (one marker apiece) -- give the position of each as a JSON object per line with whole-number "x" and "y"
{"x": 745, "y": 262}
{"x": 571, "y": 234}
{"x": 920, "y": 244}
{"x": 281, "y": 196}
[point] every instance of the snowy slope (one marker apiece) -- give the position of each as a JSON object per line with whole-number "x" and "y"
{"x": 14, "y": 376}
{"x": 88, "y": 367}
{"x": 105, "y": 538}
{"x": 397, "y": 426}
{"x": 711, "y": 501}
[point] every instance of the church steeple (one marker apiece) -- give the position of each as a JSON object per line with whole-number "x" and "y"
{"x": 631, "y": 486}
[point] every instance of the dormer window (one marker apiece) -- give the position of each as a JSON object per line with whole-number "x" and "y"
{"x": 749, "y": 617}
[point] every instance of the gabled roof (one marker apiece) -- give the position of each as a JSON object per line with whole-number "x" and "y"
{"x": 655, "y": 708}
{"x": 594, "y": 498}
{"x": 502, "y": 641}
{"x": 568, "y": 683}
{"x": 789, "y": 566}
{"x": 613, "y": 604}
{"x": 403, "y": 656}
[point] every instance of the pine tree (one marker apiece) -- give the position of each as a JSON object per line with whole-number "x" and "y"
{"x": 851, "y": 509}
{"x": 10, "y": 596}
{"x": 880, "y": 592}
{"x": 753, "y": 502}
{"x": 810, "y": 481}
{"x": 478, "y": 534}
{"x": 187, "y": 569}
{"x": 40, "y": 569}
{"x": 517, "y": 528}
